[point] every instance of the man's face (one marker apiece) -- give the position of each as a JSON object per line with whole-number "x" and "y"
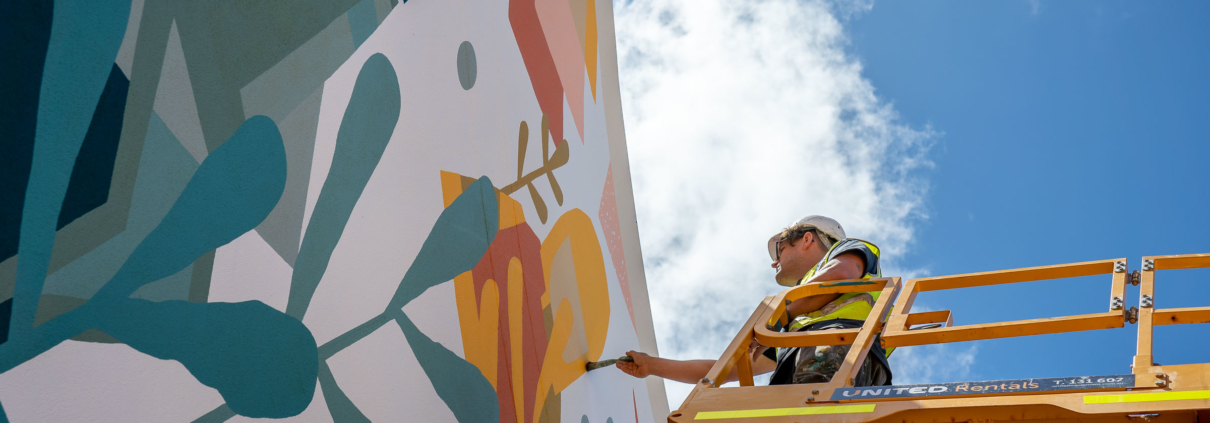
{"x": 796, "y": 258}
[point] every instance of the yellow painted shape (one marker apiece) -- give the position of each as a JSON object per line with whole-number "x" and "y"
{"x": 780, "y": 412}
{"x": 556, "y": 374}
{"x": 576, "y": 228}
{"x": 510, "y": 211}
{"x": 1151, "y": 396}
{"x": 590, "y": 47}
{"x": 515, "y": 303}
{"x": 479, "y": 324}
{"x": 591, "y": 282}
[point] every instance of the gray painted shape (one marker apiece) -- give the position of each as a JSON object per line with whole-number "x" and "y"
{"x": 174, "y": 101}
{"x": 382, "y": 8}
{"x": 563, "y": 269}
{"x": 293, "y": 80}
{"x": 126, "y": 53}
{"x": 50, "y": 305}
{"x": 468, "y": 68}
{"x": 8, "y": 276}
{"x": 282, "y": 230}
{"x": 199, "y": 287}
{"x": 229, "y": 47}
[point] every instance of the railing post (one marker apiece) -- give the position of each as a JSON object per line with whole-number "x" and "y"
{"x": 903, "y": 307}
{"x": 865, "y": 339}
{"x": 1143, "y": 359}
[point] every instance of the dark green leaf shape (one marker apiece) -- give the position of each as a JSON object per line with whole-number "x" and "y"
{"x": 231, "y": 193}
{"x": 456, "y": 243}
{"x": 364, "y": 133}
{"x": 460, "y": 384}
{"x": 263, "y": 362}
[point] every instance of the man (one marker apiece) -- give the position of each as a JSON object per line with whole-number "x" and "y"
{"x": 812, "y": 250}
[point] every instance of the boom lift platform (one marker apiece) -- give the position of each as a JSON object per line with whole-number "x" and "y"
{"x": 1147, "y": 392}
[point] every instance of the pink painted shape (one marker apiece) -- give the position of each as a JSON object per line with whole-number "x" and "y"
{"x": 613, "y": 239}
{"x": 560, "y": 30}
{"x": 523, "y": 16}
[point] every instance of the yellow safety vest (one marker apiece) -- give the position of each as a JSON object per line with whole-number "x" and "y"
{"x": 847, "y": 306}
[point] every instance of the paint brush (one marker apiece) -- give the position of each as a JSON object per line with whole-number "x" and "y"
{"x": 593, "y": 365}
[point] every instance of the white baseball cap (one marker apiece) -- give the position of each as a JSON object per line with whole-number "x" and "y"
{"x": 823, "y": 224}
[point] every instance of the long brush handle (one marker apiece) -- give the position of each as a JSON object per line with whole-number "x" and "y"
{"x": 593, "y": 365}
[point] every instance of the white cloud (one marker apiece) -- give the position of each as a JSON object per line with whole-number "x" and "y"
{"x": 933, "y": 363}
{"x": 742, "y": 117}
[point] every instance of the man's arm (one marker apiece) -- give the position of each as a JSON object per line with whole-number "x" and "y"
{"x": 686, "y": 371}
{"x": 849, "y": 265}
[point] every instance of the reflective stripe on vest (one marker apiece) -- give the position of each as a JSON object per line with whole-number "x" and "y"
{"x": 855, "y": 308}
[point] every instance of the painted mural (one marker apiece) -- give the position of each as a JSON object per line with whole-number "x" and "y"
{"x": 316, "y": 211}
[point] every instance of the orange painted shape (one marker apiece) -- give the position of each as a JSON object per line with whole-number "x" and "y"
{"x": 590, "y": 48}
{"x": 560, "y": 31}
{"x": 608, "y": 216}
{"x": 451, "y": 187}
{"x": 510, "y": 211}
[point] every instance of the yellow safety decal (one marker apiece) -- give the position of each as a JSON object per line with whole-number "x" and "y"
{"x": 779, "y": 412}
{"x": 1154, "y": 396}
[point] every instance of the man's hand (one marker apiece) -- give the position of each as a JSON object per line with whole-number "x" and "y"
{"x": 640, "y": 368}
{"x": 755, "y": 349}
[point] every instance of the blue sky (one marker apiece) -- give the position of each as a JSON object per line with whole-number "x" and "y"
{"x": 1075, "y": 131}
{"x": 959, "y": 136}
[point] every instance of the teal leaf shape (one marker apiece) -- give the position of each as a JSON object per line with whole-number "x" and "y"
{"x": 457, "y": 242}
{"x": 366, "y": 129}
{"x": 340, "y": 406}
{"x": 231, "y": 193}
{"x": 263, "y": 362}
{"x": 84, "y": 40}
{"x": 459, "y": 383}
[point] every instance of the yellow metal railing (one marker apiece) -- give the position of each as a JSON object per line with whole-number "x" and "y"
{"x": 894, "y": 324}
{"x": 897, "y": 334}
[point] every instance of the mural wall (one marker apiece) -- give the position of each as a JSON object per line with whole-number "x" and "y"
{"x": 318, "y": 211}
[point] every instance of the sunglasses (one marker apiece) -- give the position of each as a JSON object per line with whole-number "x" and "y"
{"x": 777, "y": 247}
